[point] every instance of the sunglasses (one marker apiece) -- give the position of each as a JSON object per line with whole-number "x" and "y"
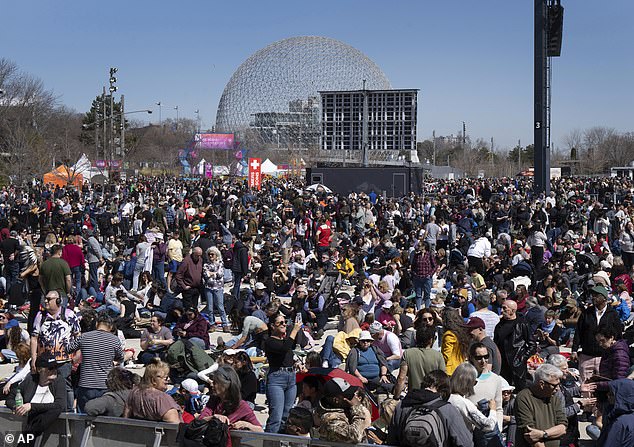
{"x": 553, "y": 385}
{"x": 279, "y": 323}
{"x": 481, "y": 357}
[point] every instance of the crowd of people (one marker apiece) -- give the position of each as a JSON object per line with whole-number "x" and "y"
{"x": 476, "y": 313}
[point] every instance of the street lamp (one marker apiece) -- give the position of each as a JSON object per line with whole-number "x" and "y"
{"x": 86, "y": 126}
{"x": 160, "y": 113}
{"x": 176, "y": 108}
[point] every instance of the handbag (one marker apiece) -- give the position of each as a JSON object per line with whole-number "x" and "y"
{"x": 212, "y": 433}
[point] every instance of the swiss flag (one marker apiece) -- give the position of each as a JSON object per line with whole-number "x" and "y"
{"x": 255, "y": 173}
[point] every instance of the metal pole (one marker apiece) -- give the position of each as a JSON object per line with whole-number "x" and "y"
{"x": 105, "y": 120}
{"x": 111, "y": 126}
{"x": 97, "y": 133}
{"x": 364, "y": 141}
{"x": 541, "y": 154}
{"x": 519, "y": 155}
{"x": 122, "y": 144}
{"x": 433, "y": 134}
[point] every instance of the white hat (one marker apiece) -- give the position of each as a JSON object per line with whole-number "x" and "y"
{"x": 506, "y": 386}
{"x": 259, "y": 286}
{"x": 190, "y": 385}
{"x": 375, "y": 328}
{"x": 365, "y": 335}
{"x": 387, "y": 305}
{"x": 232, "y": 351}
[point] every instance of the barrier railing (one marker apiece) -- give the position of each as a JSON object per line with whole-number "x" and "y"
{"x": 76, "y": 430}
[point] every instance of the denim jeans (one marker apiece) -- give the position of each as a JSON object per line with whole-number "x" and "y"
{"x": 422, "y": 287}
{"x": 85, "y": 394}
{"x": 94, "y": 278}
{"x": 112, "y": 310}
{"x": 158, "y": 272}
{"x": 328, "y": 354}
{"x": 77, "y": 272}
{"x": 393, "y": 364}
{"x": 281, "y": 391}
{"x": 11, "y": 271}
{"x": 216, "y": 300}
{"x": 237, "y": 280}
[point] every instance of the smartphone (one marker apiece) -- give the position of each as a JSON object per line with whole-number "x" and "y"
{"x": 298, "y": 318}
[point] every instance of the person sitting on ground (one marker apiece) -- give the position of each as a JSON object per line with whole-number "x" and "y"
{"x": 155, "y": 340}
{"x": 193, "y": 327}
{"x": 389, "y": 343}
{"x": 112, "y": 403}
{"x": 368, "y": 363}
{"x": 148, "y": 400}
{"x": 226, "y": 404}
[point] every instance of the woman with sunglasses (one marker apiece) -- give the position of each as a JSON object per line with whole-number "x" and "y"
{"x": 281, "y": 388}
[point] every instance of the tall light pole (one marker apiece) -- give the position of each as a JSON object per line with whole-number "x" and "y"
{"x": 160, "y": 114}
{"x": 176, "y": 108}
{"x": 197, "y": 112}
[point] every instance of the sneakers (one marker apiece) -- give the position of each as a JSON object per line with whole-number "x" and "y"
{"x": 226, "y": 328}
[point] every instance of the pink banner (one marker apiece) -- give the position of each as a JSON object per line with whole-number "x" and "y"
{"x": 214, "y": 141}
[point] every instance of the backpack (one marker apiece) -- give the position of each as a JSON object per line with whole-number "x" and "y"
{"x": 423, "y": 426}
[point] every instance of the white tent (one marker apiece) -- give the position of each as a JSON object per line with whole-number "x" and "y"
{"x": 268, "y": 167}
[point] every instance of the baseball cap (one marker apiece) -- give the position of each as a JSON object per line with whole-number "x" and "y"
{"x": 601, "y": 290}
{"x": 339, "y": 387}
{"x": 474, "y": 323}
{"x": 358, "y": 300}
{"x": 259, "y": 286}
{"x": 365, "y": 335}
{"x": 190, "y": 385}
{"x": 387, "y": 305}
{"x": 375, "y": 328}
{"x": 46, "y": 360}
{"x": 196, "y": 228}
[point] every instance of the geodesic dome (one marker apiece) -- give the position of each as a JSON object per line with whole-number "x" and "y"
{"x": 272, "y": 98}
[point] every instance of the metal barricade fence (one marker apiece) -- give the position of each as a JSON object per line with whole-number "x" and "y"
{"x": 76, "y": 430}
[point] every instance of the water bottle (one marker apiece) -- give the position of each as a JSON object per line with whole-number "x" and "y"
{"x": 19, "y": 401}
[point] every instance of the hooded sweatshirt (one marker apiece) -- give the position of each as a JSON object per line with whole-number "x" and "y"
{"x": 618, "y": 422}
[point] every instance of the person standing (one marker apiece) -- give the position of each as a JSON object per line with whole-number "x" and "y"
{"x": 480, "y": 249}
{"x": 10, "y": 248}
{"x": 281, "y": 388}
{"x": 74, "y": 256}
{"x": 213, "y": 275}
{"x": 174, "y": 257}
{"x": 539, "y": 413}
{"x": 516, "y": 344}
{"x": 55, "y": 274}
{"x": 423, "y": 267}
{"x": 53, "y": 330}
{"x": 99, "y": 349}
{"x": 94, "y": 257}
{"x": 585, "y": 346}
{"x": 159, "y": 253}
{"x": 240, "y": 264}
{"x": 189, "y": 277}
{"x": 476, "y": 329}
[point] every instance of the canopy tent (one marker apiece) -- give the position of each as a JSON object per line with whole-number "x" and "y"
{"x": 268, "y": 167}
{"x": 62, "y": 176}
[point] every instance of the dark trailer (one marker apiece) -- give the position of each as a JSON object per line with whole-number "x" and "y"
{"x": 394, "y": 181}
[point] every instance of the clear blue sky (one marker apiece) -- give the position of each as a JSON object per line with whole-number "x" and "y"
{"x": 471, "y": 60}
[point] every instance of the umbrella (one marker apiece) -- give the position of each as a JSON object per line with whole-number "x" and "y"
{"x": 325, "y": 374}
{"x": 318, "y": 187}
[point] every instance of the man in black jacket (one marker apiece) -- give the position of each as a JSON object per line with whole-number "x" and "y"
{"x": 516, "y": 344}
{"x": 240, "y": 264}
{"x": 39, "y": 416}
{"x": 586, "y": 329}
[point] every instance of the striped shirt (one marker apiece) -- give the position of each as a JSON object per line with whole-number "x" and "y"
{"x": 98, "y": 350}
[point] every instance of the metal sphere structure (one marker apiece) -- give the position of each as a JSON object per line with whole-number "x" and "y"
{"x": 272, "y": 98}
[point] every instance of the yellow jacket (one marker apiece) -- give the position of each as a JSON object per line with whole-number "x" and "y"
{"x": 345, "y": 267}
{"x": 450, "y": 349}
{"x": 340, "y": 344}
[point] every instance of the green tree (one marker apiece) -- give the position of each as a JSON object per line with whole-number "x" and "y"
{"x": 104, "y": 124}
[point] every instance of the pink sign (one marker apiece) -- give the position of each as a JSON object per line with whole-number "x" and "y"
{"x": 214, "y": 141}
{"x": 255, "y": 173}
